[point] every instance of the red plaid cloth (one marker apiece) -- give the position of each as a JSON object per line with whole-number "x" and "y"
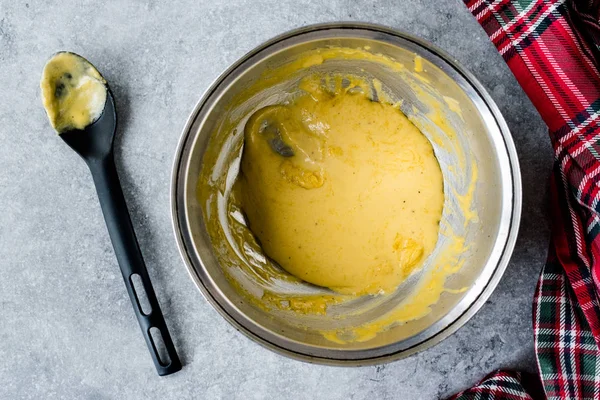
{"x": 504, "y": 385}
{"x": 552, "y": 49}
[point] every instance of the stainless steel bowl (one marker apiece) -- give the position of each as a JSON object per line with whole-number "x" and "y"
{"x": 497, "y": 196}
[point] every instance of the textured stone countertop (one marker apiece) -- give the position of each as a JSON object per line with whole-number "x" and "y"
{"x": 67, "y": 329}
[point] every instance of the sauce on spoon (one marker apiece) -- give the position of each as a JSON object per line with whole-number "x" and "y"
{"x": 73, "y": 92}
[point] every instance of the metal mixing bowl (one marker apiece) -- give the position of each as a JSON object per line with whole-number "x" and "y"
{"x": 485, "y": 139}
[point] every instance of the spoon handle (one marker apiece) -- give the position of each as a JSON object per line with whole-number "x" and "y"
{"x": 131, "y": 262}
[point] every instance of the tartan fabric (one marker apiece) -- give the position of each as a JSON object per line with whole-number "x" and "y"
{"x": 497, "y": 385}
{"x": 552, "y": 49}
{"x": 567, "y": 356}
{"x": 586, "y": 16}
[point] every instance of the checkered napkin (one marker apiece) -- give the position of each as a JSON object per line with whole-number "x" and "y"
{"x": 552, "y": 48}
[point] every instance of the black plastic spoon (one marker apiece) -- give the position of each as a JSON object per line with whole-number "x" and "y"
{"x": 94, "y": 144}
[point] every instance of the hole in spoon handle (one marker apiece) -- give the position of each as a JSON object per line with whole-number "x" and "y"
{"x": 160, "y": 347}
{"x": 153, "y": 326}
{"x": 140, "y": 294}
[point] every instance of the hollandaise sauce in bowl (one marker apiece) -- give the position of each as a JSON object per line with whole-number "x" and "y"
{"x": 346, "y": 194}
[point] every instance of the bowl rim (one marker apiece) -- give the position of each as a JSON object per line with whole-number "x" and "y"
{"x": 507, "y": 250}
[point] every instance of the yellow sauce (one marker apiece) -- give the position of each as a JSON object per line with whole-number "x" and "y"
{"x": 418, "y": 64}
{"x": 242, "y": 258}
{"x": 73, "y": 92}
{"x": 341, "y": 191}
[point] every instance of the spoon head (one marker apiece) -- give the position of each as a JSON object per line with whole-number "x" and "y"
{"x": 73, "y": 91}
{"x": 95, "y": 141}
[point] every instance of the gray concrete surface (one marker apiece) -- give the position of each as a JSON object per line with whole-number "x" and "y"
{"x": 66, "y": 325}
